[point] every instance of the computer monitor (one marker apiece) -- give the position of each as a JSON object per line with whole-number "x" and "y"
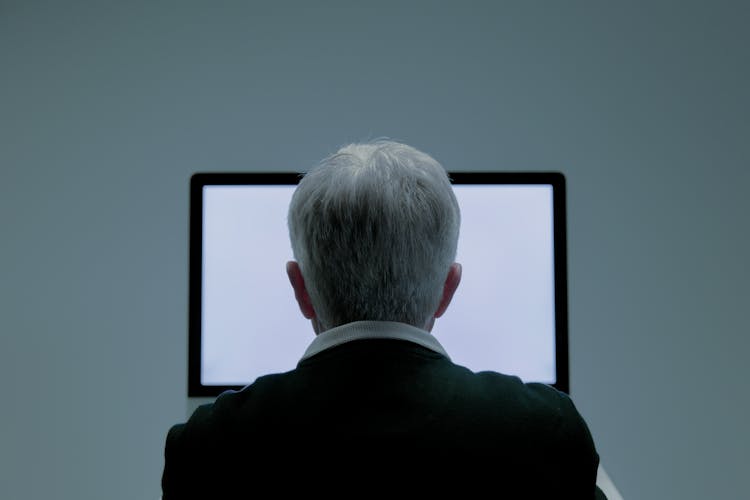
{"x": 509, "y": 313}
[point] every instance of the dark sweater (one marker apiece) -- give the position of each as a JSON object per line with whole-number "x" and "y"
{"x": 383, "y": 415}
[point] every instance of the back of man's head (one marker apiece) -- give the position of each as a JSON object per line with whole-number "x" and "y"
{"x": 374, "y": 228}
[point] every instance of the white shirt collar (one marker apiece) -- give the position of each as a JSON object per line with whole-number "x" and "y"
{"x": 373, "y": 330}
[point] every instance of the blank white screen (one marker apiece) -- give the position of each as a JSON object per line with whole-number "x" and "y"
{"x": 501, "y": 318}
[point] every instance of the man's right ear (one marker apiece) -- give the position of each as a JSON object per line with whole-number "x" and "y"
{"x": 300, "y": 291}
{"x": 449, "y": 288}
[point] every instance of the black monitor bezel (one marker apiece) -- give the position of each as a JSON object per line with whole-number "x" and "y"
{"x": 200, "y": 179}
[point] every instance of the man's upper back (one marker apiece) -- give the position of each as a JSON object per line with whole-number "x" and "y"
{"x": 381, "y": 409}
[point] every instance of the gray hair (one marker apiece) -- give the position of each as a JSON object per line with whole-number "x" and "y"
{"x": 374, "y": 228}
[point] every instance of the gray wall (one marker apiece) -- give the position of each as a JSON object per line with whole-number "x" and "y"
{"x": 106, "y": 108}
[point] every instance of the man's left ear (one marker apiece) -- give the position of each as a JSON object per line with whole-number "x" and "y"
{"x": 449, "y": 288}
{"x": 300, "y": 291}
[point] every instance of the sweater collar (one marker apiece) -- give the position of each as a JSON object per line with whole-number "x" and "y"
{"x": 373, "y": 330}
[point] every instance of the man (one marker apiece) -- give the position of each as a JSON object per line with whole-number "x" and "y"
{"x": 375, "y": 404}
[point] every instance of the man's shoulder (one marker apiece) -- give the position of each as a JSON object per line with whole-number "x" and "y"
{"x": 229, "y": 404}
{"x": 232, "y": 401}
{"x": 510, "y": 391}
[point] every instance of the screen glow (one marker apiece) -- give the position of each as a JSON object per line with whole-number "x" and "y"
{"x": 502, "y": 317}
